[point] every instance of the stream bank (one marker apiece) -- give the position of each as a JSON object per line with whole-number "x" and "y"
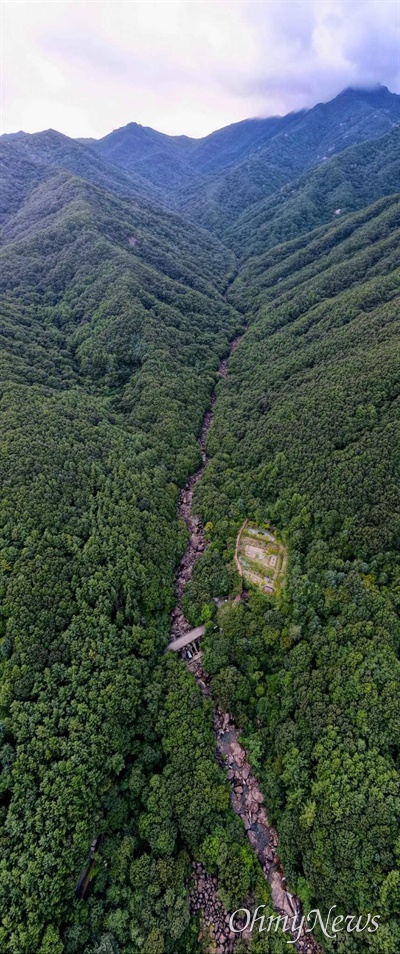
{"x": 246, "y": 798}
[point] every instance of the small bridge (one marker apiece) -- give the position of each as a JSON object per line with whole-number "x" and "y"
{"x": 188, "y": 644}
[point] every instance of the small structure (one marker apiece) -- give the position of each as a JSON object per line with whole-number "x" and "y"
{"x": 87, "y": 872}
{"x": 188, "y": 644}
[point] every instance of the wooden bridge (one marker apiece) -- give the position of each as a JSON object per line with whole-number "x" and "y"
{"x": 188, "y": 644}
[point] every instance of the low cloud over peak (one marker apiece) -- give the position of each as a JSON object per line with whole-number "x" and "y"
{"x": 188, "y": 66}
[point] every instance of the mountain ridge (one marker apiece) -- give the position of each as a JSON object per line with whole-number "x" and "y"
{"x": 213, "y": 180}
{"x": 347, "y": 181}
{"x": 121, "y": 294}
{"x": 200, "y": 162}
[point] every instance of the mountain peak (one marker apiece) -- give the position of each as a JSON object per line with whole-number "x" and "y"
{"x": 13, "y": 135}
{"x": 365, "y": 92}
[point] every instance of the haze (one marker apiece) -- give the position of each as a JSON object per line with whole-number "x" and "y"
{"x": 86, "y": 68}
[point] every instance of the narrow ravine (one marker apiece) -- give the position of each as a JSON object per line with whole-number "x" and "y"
{"x": 197, "y": 542}
{"x": 246, "y": 798}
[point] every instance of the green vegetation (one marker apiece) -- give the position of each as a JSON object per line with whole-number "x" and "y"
{"x": 212, "y": 579}
{"x": 115, "y": 315}
{"x": 216, "y": 179}
{"x": 261, "y": 557}
{"x": 306, "y": 434}
{"x": 109, "y": 353}
{"x": 347, "y": 182}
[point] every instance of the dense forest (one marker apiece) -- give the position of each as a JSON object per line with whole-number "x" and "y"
{"x": 214, "y": 180}
{"x": 348, "y": 182}
{"x": 117, "y": 308}
{"x": 306, "y": 434}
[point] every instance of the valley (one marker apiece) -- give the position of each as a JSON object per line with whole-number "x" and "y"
{"x": 199, "y": 417}
{"x": 246, "y": 798}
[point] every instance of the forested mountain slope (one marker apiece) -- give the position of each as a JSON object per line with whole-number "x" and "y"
{"x": 161, "y": 159}
{"x": 307, "y": 435}
{"x": 215, "y": 179}
{"x": 26, "y": 160}
{"x": 101, "y": 398}
{"x": 173, "y": 162}
{"x": 115, "y": 313}
{"x": 343, "y": 184}
{"x": 316, "y": 135}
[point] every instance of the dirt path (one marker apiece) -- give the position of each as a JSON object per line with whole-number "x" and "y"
{"x": 246, "y": 797}
{"x": 238, "y": 565}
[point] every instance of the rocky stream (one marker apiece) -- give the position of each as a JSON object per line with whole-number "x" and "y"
{"x": 246, "y": 798}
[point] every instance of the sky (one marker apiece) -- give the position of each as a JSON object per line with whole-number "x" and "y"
{"x": 86, "y": 67}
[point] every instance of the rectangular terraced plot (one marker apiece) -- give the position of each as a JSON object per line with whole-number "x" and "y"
{"x": 260, "y": 557}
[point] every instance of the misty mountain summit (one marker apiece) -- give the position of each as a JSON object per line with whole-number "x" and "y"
{"x": 199, "y": 419}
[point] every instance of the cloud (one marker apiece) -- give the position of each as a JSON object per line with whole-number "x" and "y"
{"x": 187, "y": 66}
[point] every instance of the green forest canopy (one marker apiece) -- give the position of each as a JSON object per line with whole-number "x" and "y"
{"x": 115, "y": 315}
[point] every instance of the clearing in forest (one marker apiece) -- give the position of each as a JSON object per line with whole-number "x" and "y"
{"x": 260, "y": 557}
